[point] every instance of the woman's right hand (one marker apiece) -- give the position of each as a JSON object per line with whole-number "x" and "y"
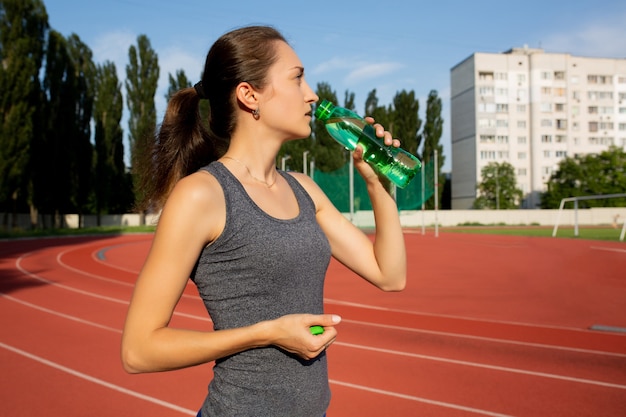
{"x": 292, "y": 333}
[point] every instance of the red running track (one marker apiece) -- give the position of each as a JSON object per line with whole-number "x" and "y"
{"x": 488, "y": 325}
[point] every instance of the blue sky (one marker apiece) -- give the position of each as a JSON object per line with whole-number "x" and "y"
{"x": 359, "y": 46}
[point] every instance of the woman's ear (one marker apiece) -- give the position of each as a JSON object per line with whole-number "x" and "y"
{"x": 247, "y": 96}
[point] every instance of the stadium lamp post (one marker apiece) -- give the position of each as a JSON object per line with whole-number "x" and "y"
{"x": 283, "y": 160}
{"x": 304, "y": 166}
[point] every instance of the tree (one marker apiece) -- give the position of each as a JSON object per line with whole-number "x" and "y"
{"x": 381, "y": 114}
{"x": 498, "y": 189}
{"x": 181, "y": 81}
{"x": 23, "y": 29}
{"x": 84, "y": 71}
{"x": 329, "y": 155}
{"x": 405, "y": 120}
{"x": 431, "y": 134}
{"x": 593, "y": 174}
{"x": 142, "y": 75}
{"x": 113, "y": 187}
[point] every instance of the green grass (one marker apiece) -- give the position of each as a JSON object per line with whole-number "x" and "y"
{"x": 103, "y": 230}
{"x": 584, "y": 232}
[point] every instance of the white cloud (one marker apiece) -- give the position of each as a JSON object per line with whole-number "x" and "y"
{"x": 596, "y": 39}
{"x": 369, "y": 71}
{"x": 357, "y": 70}
{"x": 113, "y": 46}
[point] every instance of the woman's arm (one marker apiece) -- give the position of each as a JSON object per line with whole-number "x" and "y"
{"x": 382, "y": 262}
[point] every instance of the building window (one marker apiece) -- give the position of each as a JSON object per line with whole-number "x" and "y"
{"x": 485, "y": 76}
{"x": 502, "y": 123}
{"x": 503, "y": 154}
{"x": 521, "y": 78}
{"x": 503, "y": 92}
{"x": 559, "y": 75}
{"x": 487, "y": 139}
{"x": 560, "y": 138}
{"x": 521, "y": 140}
{"x": 502, "y": 76}
{"x": 607, "y": 141}
{"x": 546, "y": 91}
{"x": 521, "y": 124}
{"x": 546, "y": 123}
{"x": 546, "y": 138}
{"x": 592, "y": 110}
{"x": 502, "y": 139}
{"x": 622, "y": 126}
{"x": 560, "y": 107}
{"x": 521, "y": 108}
{"x": 546, "y": 107}
{"x": 521, "y": 172}
{"x": 605, "y": 110}
{"x": 521, "y": 155}
{"x": 486, "y": 107}
{"x": 487, "y": 155}
{"x": 546, "y": 75}
{"x": 593, "y": 126}
{"x": 606, "y": 125}
{"x": 546, "y": 154}
{"x": 502, "y": 108}
{"x": 574, "y": 79}
{"x": 561, "y": 154}
{"x": 486, "y": 122}
{"x": 561, "y": 124}
{"x": 485, "y": 91}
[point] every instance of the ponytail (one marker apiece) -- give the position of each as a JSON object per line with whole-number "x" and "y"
{"x": 182, "y": 146}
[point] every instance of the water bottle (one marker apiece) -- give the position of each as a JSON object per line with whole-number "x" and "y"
{"x": 350, "y": 130}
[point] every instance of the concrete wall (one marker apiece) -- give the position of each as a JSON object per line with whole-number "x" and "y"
{"x": 411, "y": 218}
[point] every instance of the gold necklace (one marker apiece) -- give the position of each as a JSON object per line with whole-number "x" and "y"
{"x": 268, "y": 185}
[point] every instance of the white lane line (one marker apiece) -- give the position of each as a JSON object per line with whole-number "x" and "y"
{"x": 98, "y": 381}
{"x": 481, "y": 365}
{"x": 92, "y": 294}
{"x": 487, "y": 339}
{"x": 418, "y": 399}
{"x": 57, "y": 313}
{"x": 608, "y": 249}
{"x": 448, "y": 316}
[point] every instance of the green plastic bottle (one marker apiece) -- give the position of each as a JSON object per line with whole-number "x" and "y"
{"x": 350, "y": 130}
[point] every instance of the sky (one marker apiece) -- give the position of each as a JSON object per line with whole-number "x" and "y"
{"x": 354, "y": 46}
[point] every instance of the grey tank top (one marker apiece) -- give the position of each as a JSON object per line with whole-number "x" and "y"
{"x": 261, "y": 268}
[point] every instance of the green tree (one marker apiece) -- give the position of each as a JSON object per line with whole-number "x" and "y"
{"x": 329, "y": 155}
{"x": 405, "y": 120}
{"x": 381, "y": 114}
{"x": 498, "y": 188}
{"x": 142, "y": 75}
{"x": 430, "y": 136}
{"x": 83, "y": 89}
{"x": 177, "y": 83}
{"x": 592, "y": 174}
{"x": 23, "y": 30}
{"x": 64, "y": 169}
{"x": 113, "y": 187}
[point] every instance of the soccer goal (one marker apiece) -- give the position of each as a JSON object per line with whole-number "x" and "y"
{"x": 580, "y": 198}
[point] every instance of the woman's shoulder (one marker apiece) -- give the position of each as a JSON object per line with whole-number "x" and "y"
{"x": 197, "y": 198}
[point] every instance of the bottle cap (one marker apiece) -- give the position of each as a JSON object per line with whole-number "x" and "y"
{"x": 324, "y": 109}
{"x": 316, "y": 330}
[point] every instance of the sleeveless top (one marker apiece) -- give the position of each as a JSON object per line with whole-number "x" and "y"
{"x": 261, "y": 268}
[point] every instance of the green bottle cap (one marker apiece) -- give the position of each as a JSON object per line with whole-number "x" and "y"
{"x": 316, "y": 330}
{"x": 324, "y": 110}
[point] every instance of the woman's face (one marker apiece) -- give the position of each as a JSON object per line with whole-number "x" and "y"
{"x": 285, "y": 102}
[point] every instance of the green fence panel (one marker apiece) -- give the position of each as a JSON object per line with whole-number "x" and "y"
{"x": 336, "y": 185}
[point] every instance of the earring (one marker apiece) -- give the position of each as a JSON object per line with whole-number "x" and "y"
{"x": 255, "y": 114}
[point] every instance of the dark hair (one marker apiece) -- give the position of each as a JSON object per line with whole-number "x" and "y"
{"x": 184, "y": 142}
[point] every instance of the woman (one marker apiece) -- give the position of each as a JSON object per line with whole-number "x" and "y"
{"x": 256, "y": 241}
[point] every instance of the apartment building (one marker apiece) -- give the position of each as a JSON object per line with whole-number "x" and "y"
{"x": 531, "y": 109}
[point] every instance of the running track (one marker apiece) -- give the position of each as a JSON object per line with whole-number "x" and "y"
{"x": 488, "y": 326}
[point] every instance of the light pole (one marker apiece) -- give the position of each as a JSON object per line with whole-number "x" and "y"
{"x": 304, "y": 167}
{"x": 283, "y": 160}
